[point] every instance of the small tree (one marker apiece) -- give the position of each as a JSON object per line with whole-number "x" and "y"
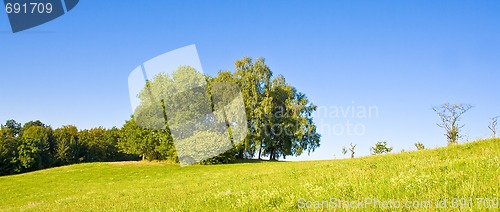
{"x": 420, "y": 146}
{"x": 344, "y": 150}
{"x": 450, "y": 117}
{"x": 352, "y": 149}
{"x": 380, "y": 148}
{"x": 493, "y": 126}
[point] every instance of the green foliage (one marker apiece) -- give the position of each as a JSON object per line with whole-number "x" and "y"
{"x": 31, "y": 124}
{"x": 34, "y": 147}
{"x": 344, "y": 150}
{"x": 380, "y": 148}
{"x": 100, "y": 143}
{"x": 279, "y": 118}
{"x": 69, "y": 149}
{"x": 148, "y": 144}
{"x": 13, "y": 127}
{"x": 202, "y": 145}
{"x": 8, "y": 152}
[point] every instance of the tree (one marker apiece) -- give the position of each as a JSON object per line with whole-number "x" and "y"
{"x": 68, "y": 149}
{"x": 148, "y": 144}
{"x": 100, "y": 144}
{"x": 380, "y": 148}
{"x": 8, "y": 147}
{"x": 31, "y": 124}
{"x": 344, "y": 150}
{"x": 291, "y": 129}
{"x": 112, "y": 153}
{"x": 450, "y": 115}
{"x": 493, "y": 126}
{"x": 13, "y": 127}
{"x": 35, "y": 148}
{"x": 419, "y": 146}
{"x": 254, "y": 79}
{"x": 279, "y": 117}
{"x": 351, "y": 149}
{"x": 8, "y": 152}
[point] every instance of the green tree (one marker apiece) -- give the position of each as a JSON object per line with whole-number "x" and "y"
{"x": 380, "y": 148}
{"x": 35, "y": 148}
{"x": 291, "y": 128}
{"x": 224, "y": 90}
{"x": 8, "y": 152}
{"x": 112, "y": 152}
{"x": 254, "y": 79}
{"x": 419, "y": 146}
{"x": 31, "y": 124}
{"x": 68, "y": 148}
{"x": 279, "y": 117}
{"x": 344, "y": 150}
{"x": 13, "y": 127}
{"x": 148, "y": 144}
{"x": 100, "y": 144}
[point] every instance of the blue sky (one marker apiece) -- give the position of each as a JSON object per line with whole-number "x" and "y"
{"x": 402, "y": 57}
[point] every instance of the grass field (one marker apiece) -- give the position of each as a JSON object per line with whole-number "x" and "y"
{"x": 470, "y": 171}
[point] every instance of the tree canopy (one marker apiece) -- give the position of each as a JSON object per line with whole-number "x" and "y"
{"x": 187, "y": 104}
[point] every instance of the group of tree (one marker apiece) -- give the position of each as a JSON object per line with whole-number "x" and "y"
{"x": 35, "y": 146}
{"x": 278, "y": 121}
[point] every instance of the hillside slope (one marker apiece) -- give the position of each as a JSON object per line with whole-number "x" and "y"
{"x": 469, "y": 170}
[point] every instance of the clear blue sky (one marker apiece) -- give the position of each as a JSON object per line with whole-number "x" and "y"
{"x": 402, "y": 57}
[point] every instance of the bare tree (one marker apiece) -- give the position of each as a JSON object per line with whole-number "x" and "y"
{"x": 450, "y": 116}
{"x": 352, "y": 150}
{"x": 493, "y": 126}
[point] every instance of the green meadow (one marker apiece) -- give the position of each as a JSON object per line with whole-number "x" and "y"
{"x": 466, "y": 176}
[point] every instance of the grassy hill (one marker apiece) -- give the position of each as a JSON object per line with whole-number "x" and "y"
{"x": 470, "y": 170}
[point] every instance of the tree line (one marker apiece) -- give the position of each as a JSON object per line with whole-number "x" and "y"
{"x": 35, "y": 146}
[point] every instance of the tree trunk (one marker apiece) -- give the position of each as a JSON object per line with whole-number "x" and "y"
{"x": 240, "y": 154}
{"x": 271, "y": 155}
{"x": 260, "y": 150}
